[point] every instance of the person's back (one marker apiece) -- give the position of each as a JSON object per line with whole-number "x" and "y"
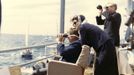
{"x": 105, "y": 50}
{"x": 95, "y": 36}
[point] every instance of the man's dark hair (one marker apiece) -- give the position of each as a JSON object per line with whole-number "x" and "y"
{"x": 99, "y": 7}
{"x": 82, "y": 18}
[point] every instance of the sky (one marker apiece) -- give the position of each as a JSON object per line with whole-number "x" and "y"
{"x": 42, "y": 17}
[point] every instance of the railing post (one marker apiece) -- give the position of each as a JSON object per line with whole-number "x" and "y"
{"x": 45, "y": 50}
{"x": 62, "y": 16}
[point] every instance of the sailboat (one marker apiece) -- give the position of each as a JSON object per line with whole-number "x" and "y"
{"x": 27, "y": 54}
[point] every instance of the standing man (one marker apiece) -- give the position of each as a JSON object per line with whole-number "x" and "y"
{"x": 91, "y": 35}
{"x": 111, "y": 22}
{"x": 71, "y": 52}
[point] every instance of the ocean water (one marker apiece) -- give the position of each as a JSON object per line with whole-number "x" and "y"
{"x": 11, "y": 41}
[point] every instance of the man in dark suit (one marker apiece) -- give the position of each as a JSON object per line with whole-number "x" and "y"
{"x": 111, "y": 22}
{"x": 71, "y": 52}
{"x": 106, "y": 61}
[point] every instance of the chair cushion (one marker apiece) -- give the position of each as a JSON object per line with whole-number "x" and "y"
{"x": 64, "y": 68}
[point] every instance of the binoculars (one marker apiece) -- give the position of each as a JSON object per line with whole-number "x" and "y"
{"x": 65, "y": 35}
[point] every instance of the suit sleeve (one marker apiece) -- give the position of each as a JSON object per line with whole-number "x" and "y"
{"x": 68, "y": 50}
{"x": 115, "y": 18}
{"x": 83, "y": 36}
{"x": 99, "y": 20}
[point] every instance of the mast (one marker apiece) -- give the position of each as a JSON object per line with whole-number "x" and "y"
{"x": 62, "y": 16}
{"x": 27, "y": 32}
{"x": 27, "y": 36}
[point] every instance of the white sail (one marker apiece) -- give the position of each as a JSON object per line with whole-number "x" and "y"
{"x": 27, "y": 36}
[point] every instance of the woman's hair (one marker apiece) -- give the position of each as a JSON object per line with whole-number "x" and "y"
{"x": 78, "y": 17}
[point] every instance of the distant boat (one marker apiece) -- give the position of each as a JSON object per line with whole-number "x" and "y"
{"x": 27, "y": 54}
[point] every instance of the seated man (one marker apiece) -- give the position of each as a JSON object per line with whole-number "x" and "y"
{"x": 71, "y": 52}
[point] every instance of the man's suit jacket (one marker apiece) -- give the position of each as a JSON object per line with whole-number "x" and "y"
{"x": 70, "y": 53}
{"x": 92, "y": 35}
{"x": 106, "y": 61}
{"x": 111, "y": 26}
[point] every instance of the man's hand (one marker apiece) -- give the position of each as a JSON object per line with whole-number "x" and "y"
{"x": 60, "y": 38}
{"x": 85, "y": 47}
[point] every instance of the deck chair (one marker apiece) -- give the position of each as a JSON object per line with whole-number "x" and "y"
{"x": 15, "y": 70}
{"x": 65, "y": 68}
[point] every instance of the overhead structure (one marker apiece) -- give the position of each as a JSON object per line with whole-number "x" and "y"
{"x": 0, "y": 14}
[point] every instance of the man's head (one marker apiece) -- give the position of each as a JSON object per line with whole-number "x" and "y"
{"x": 112, "y": 7}
{"x": 77, "y": 20}
{"x": 73, "y": 34}
{"x": 99, "y": 7}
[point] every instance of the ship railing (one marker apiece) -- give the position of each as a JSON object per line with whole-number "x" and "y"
{"x": 24, "y": 48}
{"x": 46, "y": 56}
{"x": 36, "y": 60}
